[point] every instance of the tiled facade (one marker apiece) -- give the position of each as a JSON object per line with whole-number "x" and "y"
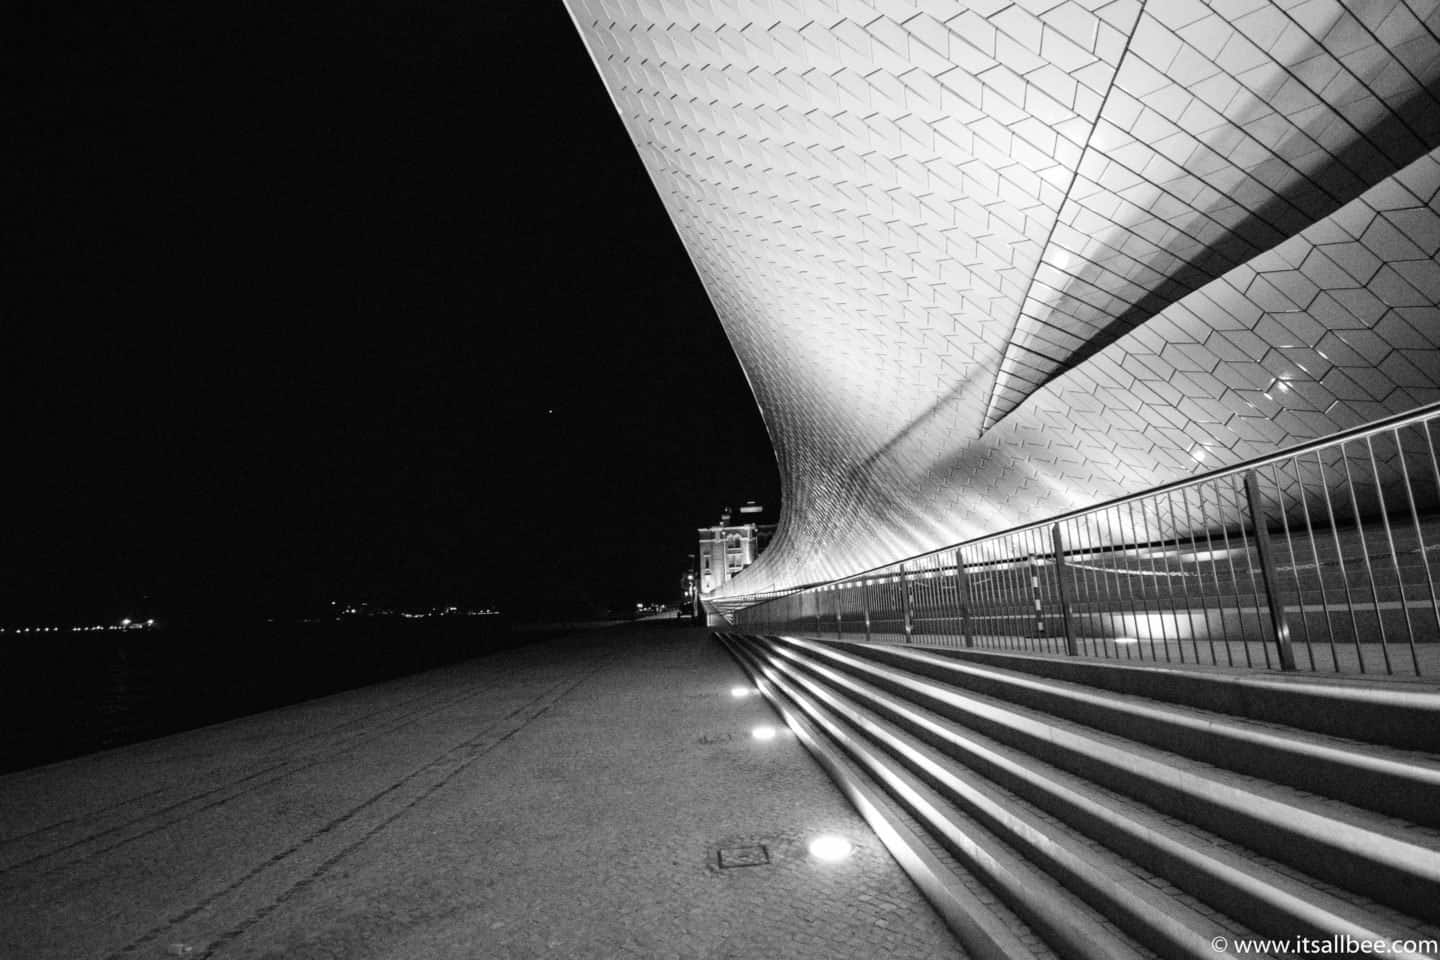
{"x": 985, "y": 263}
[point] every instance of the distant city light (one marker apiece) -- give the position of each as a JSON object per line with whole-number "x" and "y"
{"x": 830, "y": 848}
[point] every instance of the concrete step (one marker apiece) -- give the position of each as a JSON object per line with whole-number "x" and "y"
{"x": 1378, "y": 857}
{"x": 1034, "y": 915}
{"x": 1168, "y": 848}
{"x": 1396, "y": 783}
{"x": 985, "y": 926}
{"x": 1393, "y": 712}
{"x": 1034, "y": 860}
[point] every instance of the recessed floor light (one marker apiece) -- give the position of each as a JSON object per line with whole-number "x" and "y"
{"x": 763, "y": 733}
{"x": 830, "y": 848}
{"x": 740, "y": 691}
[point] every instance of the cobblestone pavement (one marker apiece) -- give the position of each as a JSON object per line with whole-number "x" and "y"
{"x": 566, "y": 799}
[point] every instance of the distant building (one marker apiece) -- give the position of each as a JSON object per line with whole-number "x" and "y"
{"x": 733, "y": 544}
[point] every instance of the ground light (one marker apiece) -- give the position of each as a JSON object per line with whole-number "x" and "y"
{"x": 763, "y": 733}
{"x": 830, "y": 848}
{"x": 740, "y": 691}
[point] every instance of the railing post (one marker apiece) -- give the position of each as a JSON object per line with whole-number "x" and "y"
{"x": 1267, "y": 573}
{"x": 1035, "y": 595}
{"x": 839, "y": 621}
{"x": 905, "y": 599}
{"x": 962, "y": 588}
{"x": 865, "y": 601}
{"x": 1061, "y": 575}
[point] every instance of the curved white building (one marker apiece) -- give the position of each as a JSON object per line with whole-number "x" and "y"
{"x": 984, "y": 263}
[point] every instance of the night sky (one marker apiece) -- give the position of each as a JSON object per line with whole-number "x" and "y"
{"x": 371, "y": 302}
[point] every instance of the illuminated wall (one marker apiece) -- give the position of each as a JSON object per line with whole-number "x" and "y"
{"x": 985, "y": 263}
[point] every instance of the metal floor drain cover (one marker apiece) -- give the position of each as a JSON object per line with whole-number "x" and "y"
{"x": 716, "y": 737}
{"x": 752, "y": 856}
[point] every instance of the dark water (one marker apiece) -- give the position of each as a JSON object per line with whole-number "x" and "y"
{"x": 72, "y": 694}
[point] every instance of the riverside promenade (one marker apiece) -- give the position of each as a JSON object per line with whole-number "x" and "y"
{"x": 570, "y": 798}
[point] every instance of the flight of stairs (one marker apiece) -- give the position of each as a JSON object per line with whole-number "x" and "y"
{"x": 1054, "y": 808}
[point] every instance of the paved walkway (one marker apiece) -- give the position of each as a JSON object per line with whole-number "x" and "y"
{"x": 565, "y": 799}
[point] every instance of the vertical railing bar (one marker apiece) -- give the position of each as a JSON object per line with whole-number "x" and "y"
{"x": 1014, "y": 624}
{"x": 1340, "y": 559}
{"x": 950, "y": 622}
{"x": 1234, "y": 577}
{"x": 975, "y": 568}
{"x": 1125, "y": 580}
{"x": 1199, "y": 577}
{"x": 1214, "y": 578}
{"x": 1164, "y": 582}
{"x": 1294, "y": 564}
{"x": 865, "y": 600}
{"x": 1138, "y": 578}
{"x": 1091, "y": 631}
{"x": 1164, "y": 595}
{"x": 1120, "y": 572}
{"x": 1011, "y": 588}
{"x": 914, "y": 597}
{"x": 1124, "y": 585}
{"x": 1018, "y": 589}
{"x": 1095, "y": 589}
{"x": 1394, "y": 555}
{"x": 962, "y": 585}
{"x": 1151, "y": 539}
{"x": 1092, "y": 589}
{"x": 1250, "y": 560}
{"x": 1268, "y": 573}
{"x": 954, "y": 627}
{"x": 1054, "y": 637}
{"x": 987, "y": 589}
{"x": 1415, "y": 517}
{"x": 944, "y": 623}
{"x": 852, "y": 606}
{"x": 1088, "y": 639}
{"x": 1058, "y": 546}
{"x": 1369, "y": 570}
{"x": 1184, "y": 585}
{"x": 886, "y": 619}
{"x": 1047, "y": 564}
{"x": 933, "y": 615}
{"x": 1111, "y": 583}
{"x": 1040, "y": 575}
{"x": 1319, "y": 570}
{"x": 935, "y": 602}
{"x": 917, "y": 601}
{"x": 892, "y": 621}
{"x": 1074, "y": 583}
{"x": 907, "y": 624}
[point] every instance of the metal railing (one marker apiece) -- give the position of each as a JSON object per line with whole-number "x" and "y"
{"x": 1319, "y": 558}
